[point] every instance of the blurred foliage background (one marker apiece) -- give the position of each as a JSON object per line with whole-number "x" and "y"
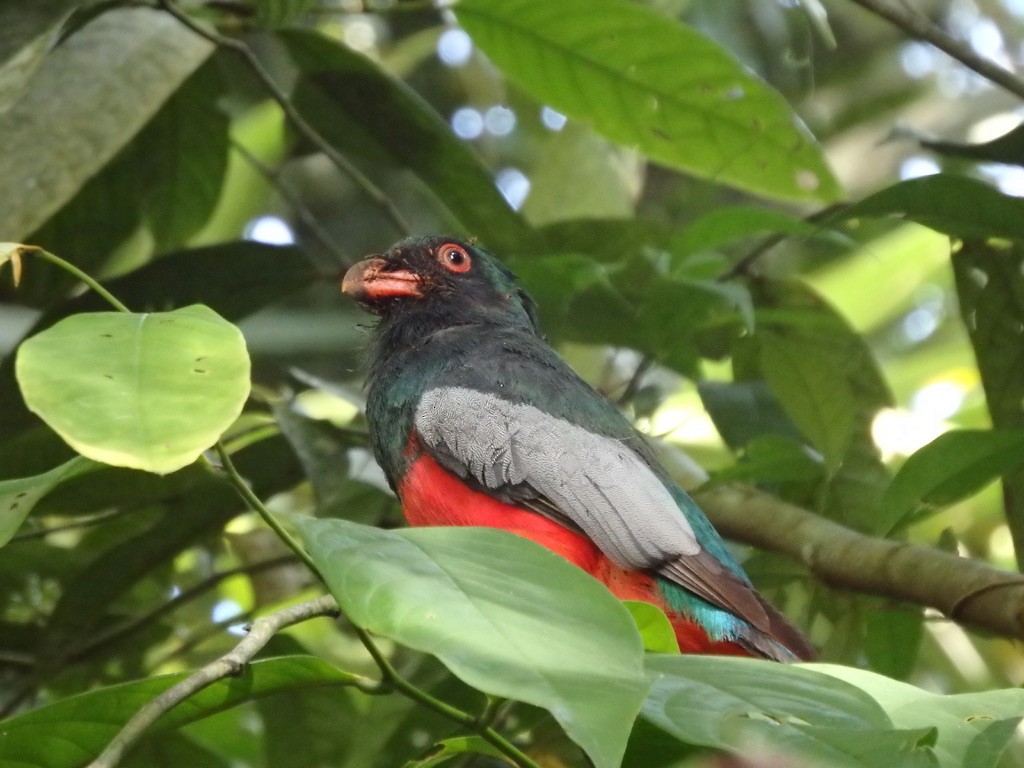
{"x": 159, "y": 162}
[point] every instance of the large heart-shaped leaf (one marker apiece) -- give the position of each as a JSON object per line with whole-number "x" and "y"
{"x": 149, "y": 391}
{"x": 505, "y": 615}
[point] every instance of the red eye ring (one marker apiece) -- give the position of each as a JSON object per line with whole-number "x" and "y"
{"x": 454, "y": 257}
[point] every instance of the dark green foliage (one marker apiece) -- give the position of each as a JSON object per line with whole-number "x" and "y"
{"x": 849, "y": 365}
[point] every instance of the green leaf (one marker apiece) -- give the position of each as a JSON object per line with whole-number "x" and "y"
{"x": 147, "y": 391}
{"x": 678, "y": 97}
{"x": 234, "y": 279}
{"x": 271, "y": 14}
{"x": 85, "y": 102}
{"x": 1007, "y": 148}
{"x": 952, "y": 467}
{"x": 90, "y": 720}
{"x": 724, "y": 226}
{"x": 847, "y": 375}
{"x": 956, "y": 205}
{"x": 194, "y": 505}
{"x": 655, "y": 628}
{"x": 185, "y": 153}
{"x": 819, "y": 405}
{"x": 990, "y": 288}
{"x": 579, "y": 175}
{"x": 172, "y": 750}
{"x": 361, "y": 109}
{"x": 774, "y": 459}
{"x": 745, "y": 410}
{"x": 505, "y": 615}
{"x": 893, "y": 638}
{"x": 973, "y": 728}
{"x": 18, "y": 497}
{"x": 27, "y": 32}
{"x": 729, "y": 703}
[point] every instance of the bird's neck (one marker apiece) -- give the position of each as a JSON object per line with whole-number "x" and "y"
{"x": 408, "y": 351}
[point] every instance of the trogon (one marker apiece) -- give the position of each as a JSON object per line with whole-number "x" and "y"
{"x": 477, "y": 421}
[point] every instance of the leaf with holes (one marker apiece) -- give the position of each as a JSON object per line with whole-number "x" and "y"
{"x": 17, "y": 497}
{"x": 678, "y": 96}
{"x": 149, "y": 391}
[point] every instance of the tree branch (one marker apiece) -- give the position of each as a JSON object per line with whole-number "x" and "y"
{"x": 230, "y": 664}
{"x": 290, "y": 196}
{"x": 965, "y": 590}
{"x": 307, "y": 131}
{"x": 391, "y": 680}
{"x": 921, "y": 28}
{"x": 118, "y": 633}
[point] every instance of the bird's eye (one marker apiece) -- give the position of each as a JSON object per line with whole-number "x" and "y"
{"x": 454, "y": 258}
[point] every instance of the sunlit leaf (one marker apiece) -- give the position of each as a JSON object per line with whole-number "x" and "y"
{"x": 148, "y": 391}
{"x": 655, "y": 628}
{"x": 505, "y": 615}
{"x": 954, "y": 466}
{"x": 678, "y": 96}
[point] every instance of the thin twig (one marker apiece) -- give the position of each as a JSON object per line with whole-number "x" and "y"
{"x": 371, "y": 190}
{"x": 258, "y": 507}
{"x": 197, "y": 590}
{"x": 633, "y": 385}
{"x": 85, "y": 522}
{"x": 306, "y": 216}
{"x": 232, "y": 663}
{"x": 742, "y": 267}
{"x": 67, "y": 266}
{"x": 920, "y": 27}
{"x": 391, "y": 679}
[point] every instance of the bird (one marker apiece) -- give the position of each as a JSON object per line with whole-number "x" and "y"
{"x": 477, "y": 421}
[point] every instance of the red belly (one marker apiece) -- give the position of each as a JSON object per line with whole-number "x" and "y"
{"x": 431, "y": 495}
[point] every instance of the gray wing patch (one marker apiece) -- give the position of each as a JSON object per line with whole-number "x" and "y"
{"x": 597, "y": 482}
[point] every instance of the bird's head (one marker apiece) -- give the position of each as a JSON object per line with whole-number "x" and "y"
{"x": 437, "y": 274}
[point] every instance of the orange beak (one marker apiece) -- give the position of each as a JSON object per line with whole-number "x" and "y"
{"x": 367, "y": 281}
